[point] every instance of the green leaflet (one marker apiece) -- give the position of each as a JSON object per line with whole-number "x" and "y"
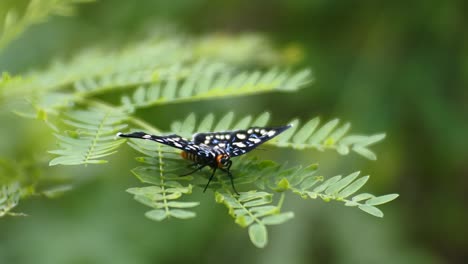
{"x": 258, "y": 235}
{"x": 253, "y": 210}
{"x": 381, "y": 199}
{"x": 371, "y": 210}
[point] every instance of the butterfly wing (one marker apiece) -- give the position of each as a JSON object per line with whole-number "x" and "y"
{"x": 240, "y": 141}
{"x": 246, "y": 140}
{"x": 213, "y": 139}
{"x": 174, "y": 141}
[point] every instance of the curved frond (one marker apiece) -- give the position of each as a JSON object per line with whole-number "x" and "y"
{"x": 209, "y": 81}
{"x": 336, "y": 188}
{"x": 161, "y": 170}
{"x": 162, "y": 58}
{"x": 91, "y": 137}
{"x": 330, "y": 135}
{"x": 254, "y": 210}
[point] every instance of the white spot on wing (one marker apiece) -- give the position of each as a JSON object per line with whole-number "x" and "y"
{"x": 271, "y": 133}
{"x": 239, "y": 144}
{"x": 255, "y": 140}
{"x": 241, "y": 136}
{"x": 147, "y": 136}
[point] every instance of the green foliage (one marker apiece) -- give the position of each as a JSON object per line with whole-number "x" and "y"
{"x": 76, "y": 99}
{"x": 15, "y": 22}
{"x": 252, "y": 209}
{"x": 163, "y": 59}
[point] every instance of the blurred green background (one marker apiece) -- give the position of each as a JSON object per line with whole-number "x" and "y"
{"x": 397, "y": 67}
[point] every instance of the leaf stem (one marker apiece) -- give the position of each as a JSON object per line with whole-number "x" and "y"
{"x": 161, "y": 174}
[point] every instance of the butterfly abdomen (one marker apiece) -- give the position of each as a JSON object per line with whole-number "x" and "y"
{"x": 190, "y": 156}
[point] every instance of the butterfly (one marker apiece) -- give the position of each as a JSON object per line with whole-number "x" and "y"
{"x": 214, "y": 149}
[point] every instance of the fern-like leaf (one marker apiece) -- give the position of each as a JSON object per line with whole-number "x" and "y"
{"x": 336, "y": 188}
{"x": 92, "y": 137}
{"x": 161, "y": 170}
{"x": 254, "y": 210}
{"x": 328, "y": 136}
{"x": 210, "y": 81}
{"x": 163, "y": 58}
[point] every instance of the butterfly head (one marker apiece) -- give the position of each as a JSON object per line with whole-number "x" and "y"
{"x": 223, "y": 161}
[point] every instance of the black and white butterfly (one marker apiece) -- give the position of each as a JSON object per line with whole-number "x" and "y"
{"x": 215, "y": 149}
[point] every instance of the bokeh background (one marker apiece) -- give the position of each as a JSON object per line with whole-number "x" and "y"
{"x": 399, "y": 67}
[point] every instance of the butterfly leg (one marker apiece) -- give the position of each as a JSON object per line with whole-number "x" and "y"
{"x": 227, "y": 170}
{"x": 211, "y": 178}
{"x": 199, "y": 167}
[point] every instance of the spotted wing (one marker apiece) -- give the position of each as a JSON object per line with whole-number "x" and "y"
{"x": 240, "y": 141}
{"x": 174, "y": 141}
{"x": 213, "y": 139}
